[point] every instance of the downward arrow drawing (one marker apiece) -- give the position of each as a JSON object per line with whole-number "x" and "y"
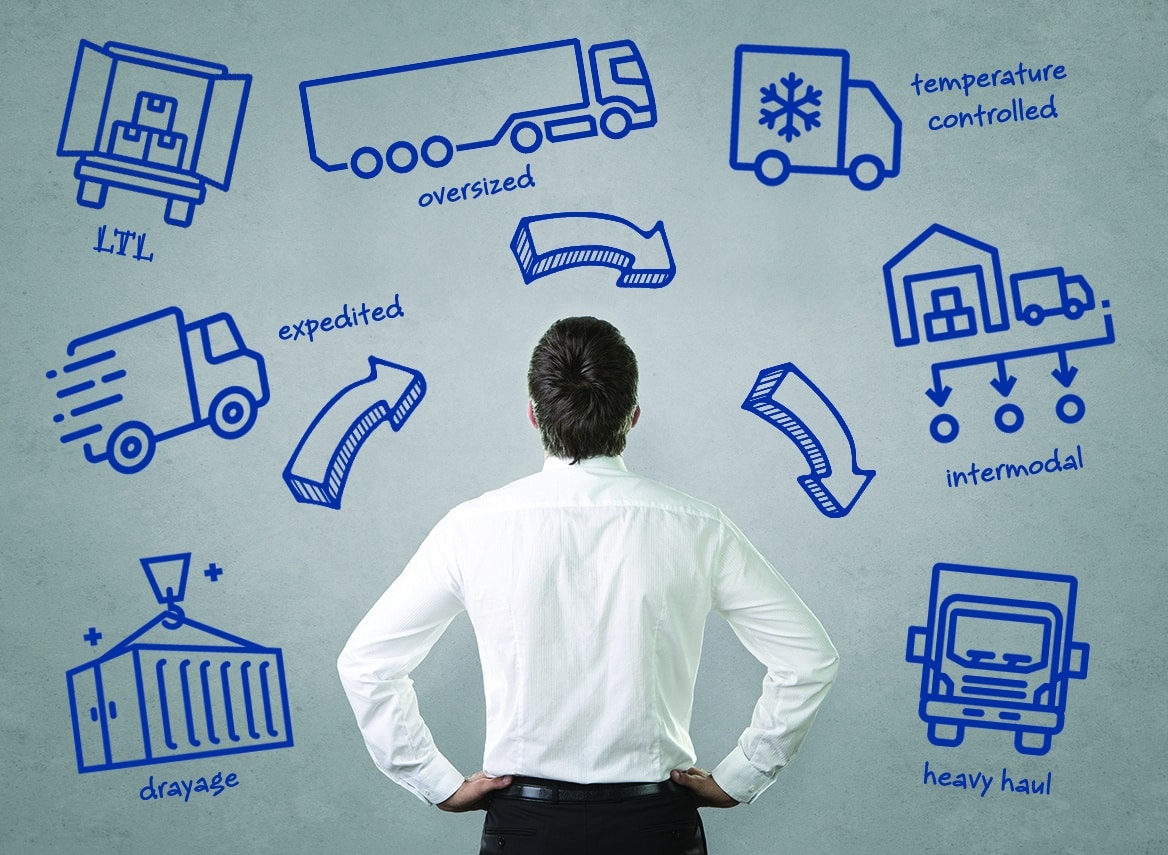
{"x": 818, "y": 430}
{"x": 548, "y": 243}
{"x": 1065, "y": 373}
{"x": 319, "y": 466}
{"x": 1003, "y": 383}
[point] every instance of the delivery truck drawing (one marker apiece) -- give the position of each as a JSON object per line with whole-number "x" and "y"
{"x": 1039, "y": 294}
{"x": 392, "y": 117}
{"x": 152, "y": 122}
{"x": 795, "y": 109}
{"x": 130, "y": 386}
{"x": 176, "y": 689}
{"x": 998, "y": 652}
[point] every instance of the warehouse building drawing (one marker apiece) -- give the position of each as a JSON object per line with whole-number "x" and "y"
{"x": 177, "y": 689}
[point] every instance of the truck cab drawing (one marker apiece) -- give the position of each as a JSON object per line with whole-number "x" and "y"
{"x": 426, "y": 111}
{"x": 151, "y": 122}
{"x": 795, "y": 109}
{"x": 997, "y": 652}
{"x": 132, "y": 385}
{"x": 1039, "y": 294}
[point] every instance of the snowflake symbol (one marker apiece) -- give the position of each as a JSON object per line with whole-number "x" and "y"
{"x": 790, "y": 106}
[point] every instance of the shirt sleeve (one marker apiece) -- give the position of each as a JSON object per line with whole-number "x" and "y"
{"x": 781, "y": 632}
{"x": 375, "y": 666}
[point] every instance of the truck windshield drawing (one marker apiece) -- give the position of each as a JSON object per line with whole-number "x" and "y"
{"x": 997, "y": 653}
{"x": 427, "y": 111}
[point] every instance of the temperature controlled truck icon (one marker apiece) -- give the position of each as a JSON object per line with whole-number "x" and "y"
{"x": 130, "y": 386}
{"x": 394, "y": 117}
{"x": 998, "y": 652}
{"x": 152, "y": 122}
{"x": 796, "y": 109}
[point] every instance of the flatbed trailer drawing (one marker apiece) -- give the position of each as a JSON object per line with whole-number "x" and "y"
{"x": 152, "y": 122}
{"x": 997, "y": 652}
{"x": 130, "y": 386}
{"x": 427, "y": 111}
{"x": 798, "y": 110}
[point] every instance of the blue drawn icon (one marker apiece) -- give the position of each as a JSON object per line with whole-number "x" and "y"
{"x": 152, "y": 122}
{"x": 392, "y": 117}
{"x": 319, "y": 467}
{"x": 957, "y": 280}
{"x": 997, "y": 652}
{"x": 796, "y": 109}
{"x": 132, "y": 385}
{"x": 546, "y": 243}
{"x": 818, "y": 430}
{"x": 176, "y": 689}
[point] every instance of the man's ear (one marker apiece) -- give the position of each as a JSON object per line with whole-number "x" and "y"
{"x": 636, "y": 417}
{"x": 531, "y": 415}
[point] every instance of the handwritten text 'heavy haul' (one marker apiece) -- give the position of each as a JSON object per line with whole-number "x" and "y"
{"x": 981, "y": 783}
{"x": 988, "y": 115}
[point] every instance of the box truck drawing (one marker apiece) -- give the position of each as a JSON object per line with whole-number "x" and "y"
{"x": 152, "y": 122}
{"x": 945, "y": 286}
{"x": 176, "y": 689}
{"x": 132, "y": 385}
{"x": 392, "y": 117}
{"x": 997, "y": 652}
{"x": 795, "y": 109}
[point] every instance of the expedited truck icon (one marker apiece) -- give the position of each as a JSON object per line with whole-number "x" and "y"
{"x": 152, "y": 122}
{"x": 394, "y": 117}
{"x": 796, "y": 109}
{"x": 998, "y": 652}
{"x": 130, "y": 386}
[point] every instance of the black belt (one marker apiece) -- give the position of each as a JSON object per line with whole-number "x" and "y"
{"x": 543, "y": 790}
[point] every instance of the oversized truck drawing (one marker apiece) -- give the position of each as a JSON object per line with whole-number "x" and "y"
{"x": 152, "y": 122}
{"x": 130, "y": 386}
{"x": 796, "y": 109}
{"x": 997, "y": 652}
{"x": 427, "y": 111}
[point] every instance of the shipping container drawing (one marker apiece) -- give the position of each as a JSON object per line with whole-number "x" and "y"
{"x": 947, "y": 288}
{"x": 997, "y": 652}
{"x": 130, "y": 386}
{"x": 426, "y": 111}
{"x": 319, "y": 467}
{"x": 176, "y": 689}
{"x": 152, "y": 122}
{"x": 798, "y": 110}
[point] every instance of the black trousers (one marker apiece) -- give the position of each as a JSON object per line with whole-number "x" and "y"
{"x": 663, "y": 824}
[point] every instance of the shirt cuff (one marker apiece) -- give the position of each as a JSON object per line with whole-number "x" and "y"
{"x": 436, "y": 783}
{"x": 739, "y": 777}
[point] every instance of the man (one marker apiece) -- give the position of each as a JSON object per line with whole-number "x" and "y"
{"x": 588, "y": 589}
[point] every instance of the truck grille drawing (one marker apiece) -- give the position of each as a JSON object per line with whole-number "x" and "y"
{"x": 177, "y": 689}
{"x": 997, "y": 652}
{"x": 132, "y": 385}
{"x": 152, "y": 122}
{"x": 547, "y": 243}
{"x": 394, "y": 117}
{"x": 947, "y": 287}
{"x": 319, "y": 467}
{"x": 796, "y": 109}
{"x": 812, "y": 422}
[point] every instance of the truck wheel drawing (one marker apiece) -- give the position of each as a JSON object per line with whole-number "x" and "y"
{"x": 176, "y": 689}
{"x": 997, "y": 652}
{"x": 945, "y": 286}
{"x": 815, "y": 426}
{"x": 152, "y": 122}
{"x": 130, "y": 386}
{"x": 392, "y": 117}
{"x": 319, "y": 467}
{"x": 546, "y": 243}
{"x": 795, "y": 109}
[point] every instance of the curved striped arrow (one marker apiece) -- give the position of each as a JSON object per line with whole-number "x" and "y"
{"x": 818, "y": 430}
{"x": 548, "y": 243}
{"x": 319, "y": 466}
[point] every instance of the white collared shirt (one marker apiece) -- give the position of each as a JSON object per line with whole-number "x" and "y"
{"x": 588, "y": 589}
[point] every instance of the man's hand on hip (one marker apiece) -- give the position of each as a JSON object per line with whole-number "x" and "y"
{"x": 475, "y": 793}
{"x": 704, "y": 788}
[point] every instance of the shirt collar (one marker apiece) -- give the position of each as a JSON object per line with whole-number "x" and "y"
{"x": 594, "y": 463}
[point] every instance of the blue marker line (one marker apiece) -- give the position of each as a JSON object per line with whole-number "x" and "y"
{"x": 90, "y": 360}
{"x": 73, "y": 390}
{"x": 95, "y": 405}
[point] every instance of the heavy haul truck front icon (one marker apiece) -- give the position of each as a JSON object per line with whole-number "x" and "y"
{"x": 997, "y": 652}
